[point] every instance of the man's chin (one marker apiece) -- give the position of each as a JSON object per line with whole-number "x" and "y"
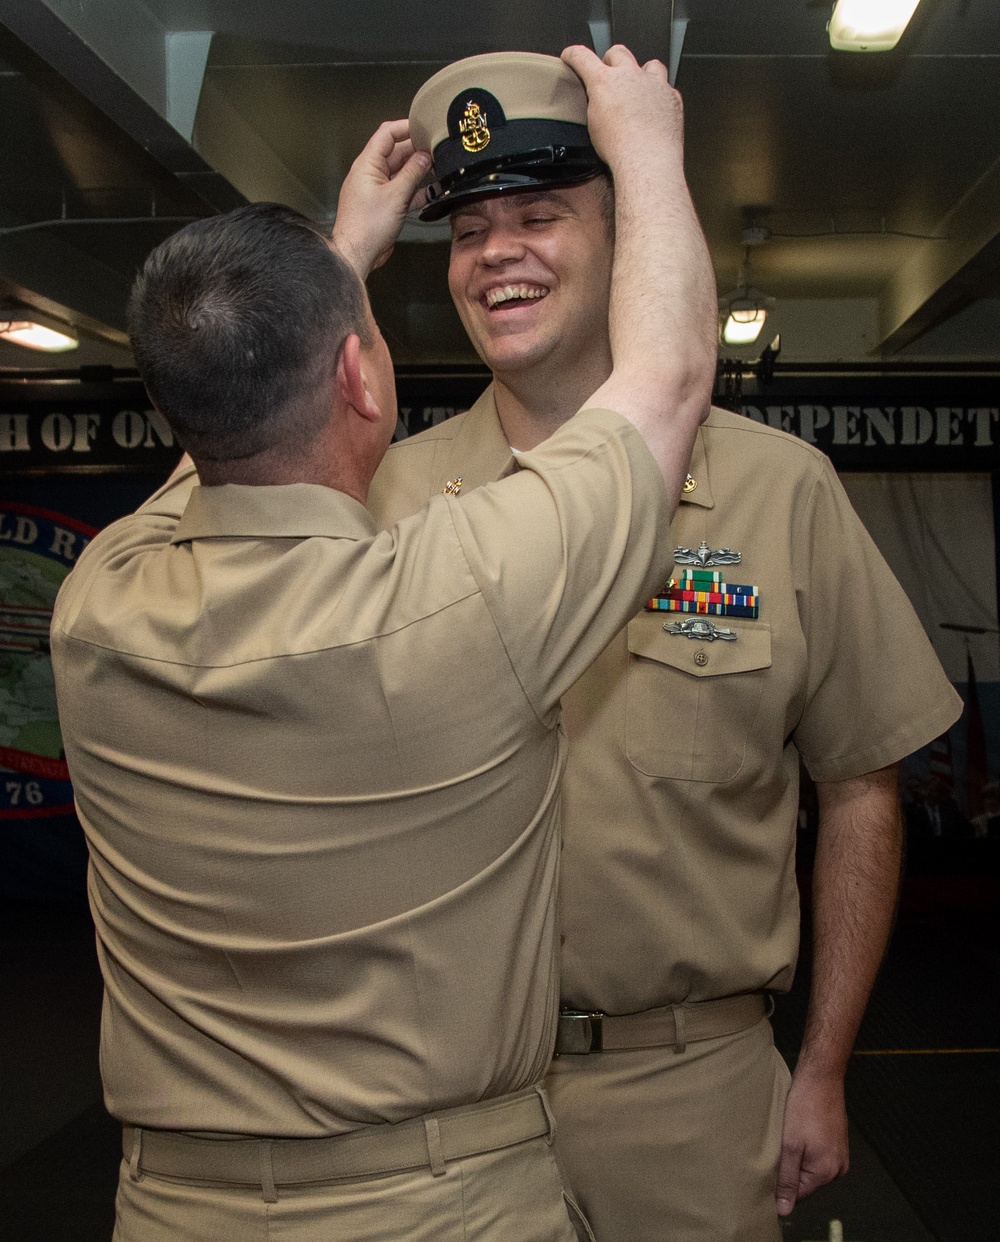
{"x": 513, "y": 356}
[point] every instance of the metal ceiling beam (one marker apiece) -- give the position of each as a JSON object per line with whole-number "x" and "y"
{"x": 186, "y": 57}
{"x": 135, "y": 101}
{"x": 126, "y": 36}
{"x": 235, "y": 148}
{"x": 647, "y": 28}
{"x": 60, "y": 277}
{"x": 945, "y": 275}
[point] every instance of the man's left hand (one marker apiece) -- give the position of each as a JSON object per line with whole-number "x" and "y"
{"x": 814, "y": 1138}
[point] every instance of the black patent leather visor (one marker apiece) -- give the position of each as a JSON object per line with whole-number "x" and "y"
{"x": 543, "y": 166}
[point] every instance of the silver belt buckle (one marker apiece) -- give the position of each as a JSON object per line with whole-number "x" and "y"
{"x": 579, "y": 1032}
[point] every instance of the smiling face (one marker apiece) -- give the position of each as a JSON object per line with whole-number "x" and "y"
{"x": 530, "y": 275}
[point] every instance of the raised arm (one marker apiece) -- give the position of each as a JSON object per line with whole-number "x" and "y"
{"x": 662, "y": 315}
{"x": 379, "y": 190}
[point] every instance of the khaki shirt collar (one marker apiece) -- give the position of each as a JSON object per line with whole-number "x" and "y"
{"x": 291, "y": 511}
{"x": 479, "y": 452}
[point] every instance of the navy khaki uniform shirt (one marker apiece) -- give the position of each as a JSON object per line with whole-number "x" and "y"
{"x": 318, "y": 767}
{"x": 680, "y": 798}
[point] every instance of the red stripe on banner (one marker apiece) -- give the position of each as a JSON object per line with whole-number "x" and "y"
{"x": 33, "y": 765}
{"x": 36, "y": 812}
{"x": 60, "y": 519}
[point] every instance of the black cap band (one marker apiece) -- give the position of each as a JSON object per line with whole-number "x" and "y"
{"x": 523, "y": 170}
{"x": 510, "y": 138}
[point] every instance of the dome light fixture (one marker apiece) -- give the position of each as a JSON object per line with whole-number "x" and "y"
{"x": 869, "y": 25}
{"x": 742, "y": 313}
{"x": 745, "y": 318}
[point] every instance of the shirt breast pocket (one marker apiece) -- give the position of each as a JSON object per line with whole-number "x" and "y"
{"x": 691, "y": 704}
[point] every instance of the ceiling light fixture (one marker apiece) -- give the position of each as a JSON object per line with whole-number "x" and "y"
{"x": 744, "y": 321}
{"x": 33, "y": 334}
{"x": 869, "y": 25}
{"x": 742, "y": 313}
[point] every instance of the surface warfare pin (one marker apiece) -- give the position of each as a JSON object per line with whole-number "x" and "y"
{"x": 706, "y": 556}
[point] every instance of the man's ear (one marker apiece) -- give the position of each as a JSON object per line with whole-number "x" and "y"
{"x": 351, "y": 380}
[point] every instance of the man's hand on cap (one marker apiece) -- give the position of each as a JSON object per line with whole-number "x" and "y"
{"x": 633, "y": 113}
{"x": 379, "y": 190}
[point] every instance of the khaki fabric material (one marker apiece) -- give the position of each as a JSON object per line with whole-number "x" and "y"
{"x": 657, "y": 1145}
{"x": 681, "y": 791}
{"x": 527, "y": 84}
{"x": 514, "y": 1195}
{"x": 433, "y": 1140}
{"x": 318, "y": 768}
{"x": 671, "y": 1026}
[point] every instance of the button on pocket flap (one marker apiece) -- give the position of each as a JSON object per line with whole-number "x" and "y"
{"x": 700, "y": 657}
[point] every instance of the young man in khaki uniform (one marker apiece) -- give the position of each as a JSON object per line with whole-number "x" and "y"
{"x": 318, "y": 766}
{"x": 679, "y": 907}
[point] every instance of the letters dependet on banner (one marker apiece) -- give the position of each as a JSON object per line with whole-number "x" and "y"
{"x": 902, "y": 422}
{"x": 881, "y": 422}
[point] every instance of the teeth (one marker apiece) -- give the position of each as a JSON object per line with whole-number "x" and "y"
{"x": 511, "y": 293}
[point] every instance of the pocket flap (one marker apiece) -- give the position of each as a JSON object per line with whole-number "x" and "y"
{"x": 698, "y": 657}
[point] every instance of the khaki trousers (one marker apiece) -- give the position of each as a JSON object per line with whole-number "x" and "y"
{"x": 513, "y": 1194}
{"x": 659, "y": 1146}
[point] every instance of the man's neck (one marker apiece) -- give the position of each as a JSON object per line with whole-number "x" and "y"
{"x": 320, "y": 467}
{"x": 531, "y": 404}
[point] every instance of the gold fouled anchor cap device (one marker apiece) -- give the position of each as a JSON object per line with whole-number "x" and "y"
{"x": 502, "y": 122}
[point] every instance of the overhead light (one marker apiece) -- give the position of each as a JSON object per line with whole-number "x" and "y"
{"x": 869, "y": 25}
{"x": 34, "y": 335}
{"x": 742, "y": 313}
{"x": 744, "y": 320}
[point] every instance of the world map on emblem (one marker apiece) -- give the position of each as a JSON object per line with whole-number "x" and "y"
{"x": 37, "y": 549}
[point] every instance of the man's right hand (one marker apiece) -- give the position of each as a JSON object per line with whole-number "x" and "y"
{"x": 379, "y": 190}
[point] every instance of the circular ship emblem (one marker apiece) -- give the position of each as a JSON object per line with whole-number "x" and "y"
{"x": 37, "y": 550}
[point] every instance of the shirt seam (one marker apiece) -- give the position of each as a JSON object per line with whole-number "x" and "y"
{"x": 496, "y": 626}
{"x": 794, "y": 443}
{"x": 285, "y": 655}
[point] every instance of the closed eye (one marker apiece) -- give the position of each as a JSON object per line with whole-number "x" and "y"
{"x": 462, "y": 232}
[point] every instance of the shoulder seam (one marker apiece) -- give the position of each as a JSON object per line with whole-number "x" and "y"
{"x": 749, "y": 426}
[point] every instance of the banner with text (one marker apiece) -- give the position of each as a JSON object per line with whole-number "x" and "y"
{"x": 863, "y": 422}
